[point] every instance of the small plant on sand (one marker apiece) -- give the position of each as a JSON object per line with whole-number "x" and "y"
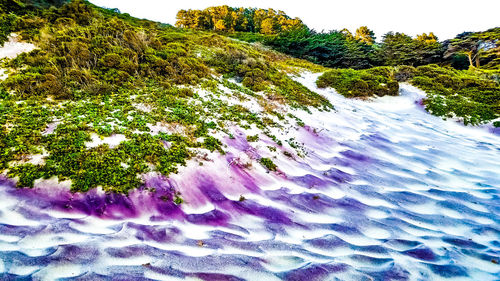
{"x": 268, "y": 163}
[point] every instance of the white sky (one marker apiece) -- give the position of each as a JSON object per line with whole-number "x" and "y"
{"x": 446, "y": 18}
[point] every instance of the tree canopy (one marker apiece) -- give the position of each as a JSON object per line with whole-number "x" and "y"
{"x": 401, "y": 49}
{"x": 225, "y": 18}
{"x": 480, "y": 48}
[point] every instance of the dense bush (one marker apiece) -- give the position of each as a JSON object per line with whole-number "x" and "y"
{"x": 268, "y": 163}
{"x": 360, "y": 83}
{"x": 98, "y": 57}
{"x": 401, "y": 49}
{"x": 224, "y": 18}
{"x": 469, "y": 94}
{"x": 475, "y": 49}
{"x": 259, "y": 73}
{"x": 463, "y": 93}
{"x": 98, "y": 73}
{"x": 6, "y": 21}
{"x": 332, "y": 49}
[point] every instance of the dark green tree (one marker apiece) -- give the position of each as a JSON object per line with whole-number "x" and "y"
{"x": 397, "y": 49}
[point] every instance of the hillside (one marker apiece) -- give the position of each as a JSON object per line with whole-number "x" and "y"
{"x": 171, "y": 94}
{"x": 460, "y": 75}
{"x": 105, "y": 98}
{"x": 239, "y": 150}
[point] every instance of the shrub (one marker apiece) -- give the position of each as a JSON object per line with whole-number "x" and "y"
{"x": 212, "y": 144}
{"x": 268, "y": 163}
{"x": 360, "y": 83}
{"x": 460, "y": 93}
{"x": 253, "y": 138}
{"x": 27, "y": 174}
{"x": 3, "y": 93}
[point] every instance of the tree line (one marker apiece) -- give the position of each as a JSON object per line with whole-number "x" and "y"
{"x": 341, "y": 48}
{"x": 225, "y": 18}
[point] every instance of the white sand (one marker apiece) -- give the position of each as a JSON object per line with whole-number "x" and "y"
{"x": 14, "y": 47}
{"x": 112, "y": 141}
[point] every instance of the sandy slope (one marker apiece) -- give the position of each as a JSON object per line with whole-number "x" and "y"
{"x": 14, "y": 47}
{"x": 385, "y": 192}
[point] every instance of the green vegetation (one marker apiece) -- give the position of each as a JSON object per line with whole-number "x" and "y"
{"x": 332, "y": 49}
{"x": 224, "y": 18}
{"x": 97, "y": 73}
{"x": 8, "y": 8}
{"x": 337, "y": 49}
{"x": 468, "y": 94}
{"x": 253, "y": 138}
{"x": 268, "y": 163}
{"x": 400, "y": 49}
{"x": 478, "y": 49}
{"x": 360, "y": 83}
{"x": 341, "y": 48}
{"x": 178, "y": 200}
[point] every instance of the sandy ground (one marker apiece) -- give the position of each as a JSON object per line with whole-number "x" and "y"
{"x": 14, "y": 47}
{"x": 385, "y": 190}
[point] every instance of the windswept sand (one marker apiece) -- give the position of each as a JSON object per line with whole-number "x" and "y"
{"x": 383, "y": 191}
{"x": 14, "y": 47}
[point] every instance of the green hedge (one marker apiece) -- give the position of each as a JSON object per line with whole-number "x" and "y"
{"x": 468, "y": 94}
{"x": 377, "y": 81}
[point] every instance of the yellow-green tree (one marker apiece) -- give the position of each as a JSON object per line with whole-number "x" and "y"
{"x": 364, "y": 34}
{"x": 427, "y": 38}
{"x": 348, "y": 35}
{"x": 220, "y": 25}
{"x": 267, "y": 26}
{"x": 225, "y": 18}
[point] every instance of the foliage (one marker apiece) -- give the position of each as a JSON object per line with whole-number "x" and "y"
{"x": 471, "y": 95}
{"x": 365, "y": 35}
{"x": 27, "y": 174}
{"x": 360, "y": 83}
{"x": 253, "y": 138}
{"x": 97, "y": 73}
{"x": 224, "y": 18}
{"x": 6, "y": 25}
{"x": 212, "y": 144}
{"x": 268, "y": 163}
{"x": 332, "y": 49}
{"x": 258, "y": 74}
{"x": 342, "y": 49}
{"x": 290, "y": 36}
{"x": 461, "y": 93}
{"x": 480, "y": 48}
{"x": 400, "y": 49}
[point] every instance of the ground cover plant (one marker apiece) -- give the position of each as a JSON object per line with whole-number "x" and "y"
{"x": 468, "y": 94}
{"x": 97, "y": 74}
{"x": 378, "y": 81}
{"x": 106, "y": 98}
{"x": 471, "y": 95}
